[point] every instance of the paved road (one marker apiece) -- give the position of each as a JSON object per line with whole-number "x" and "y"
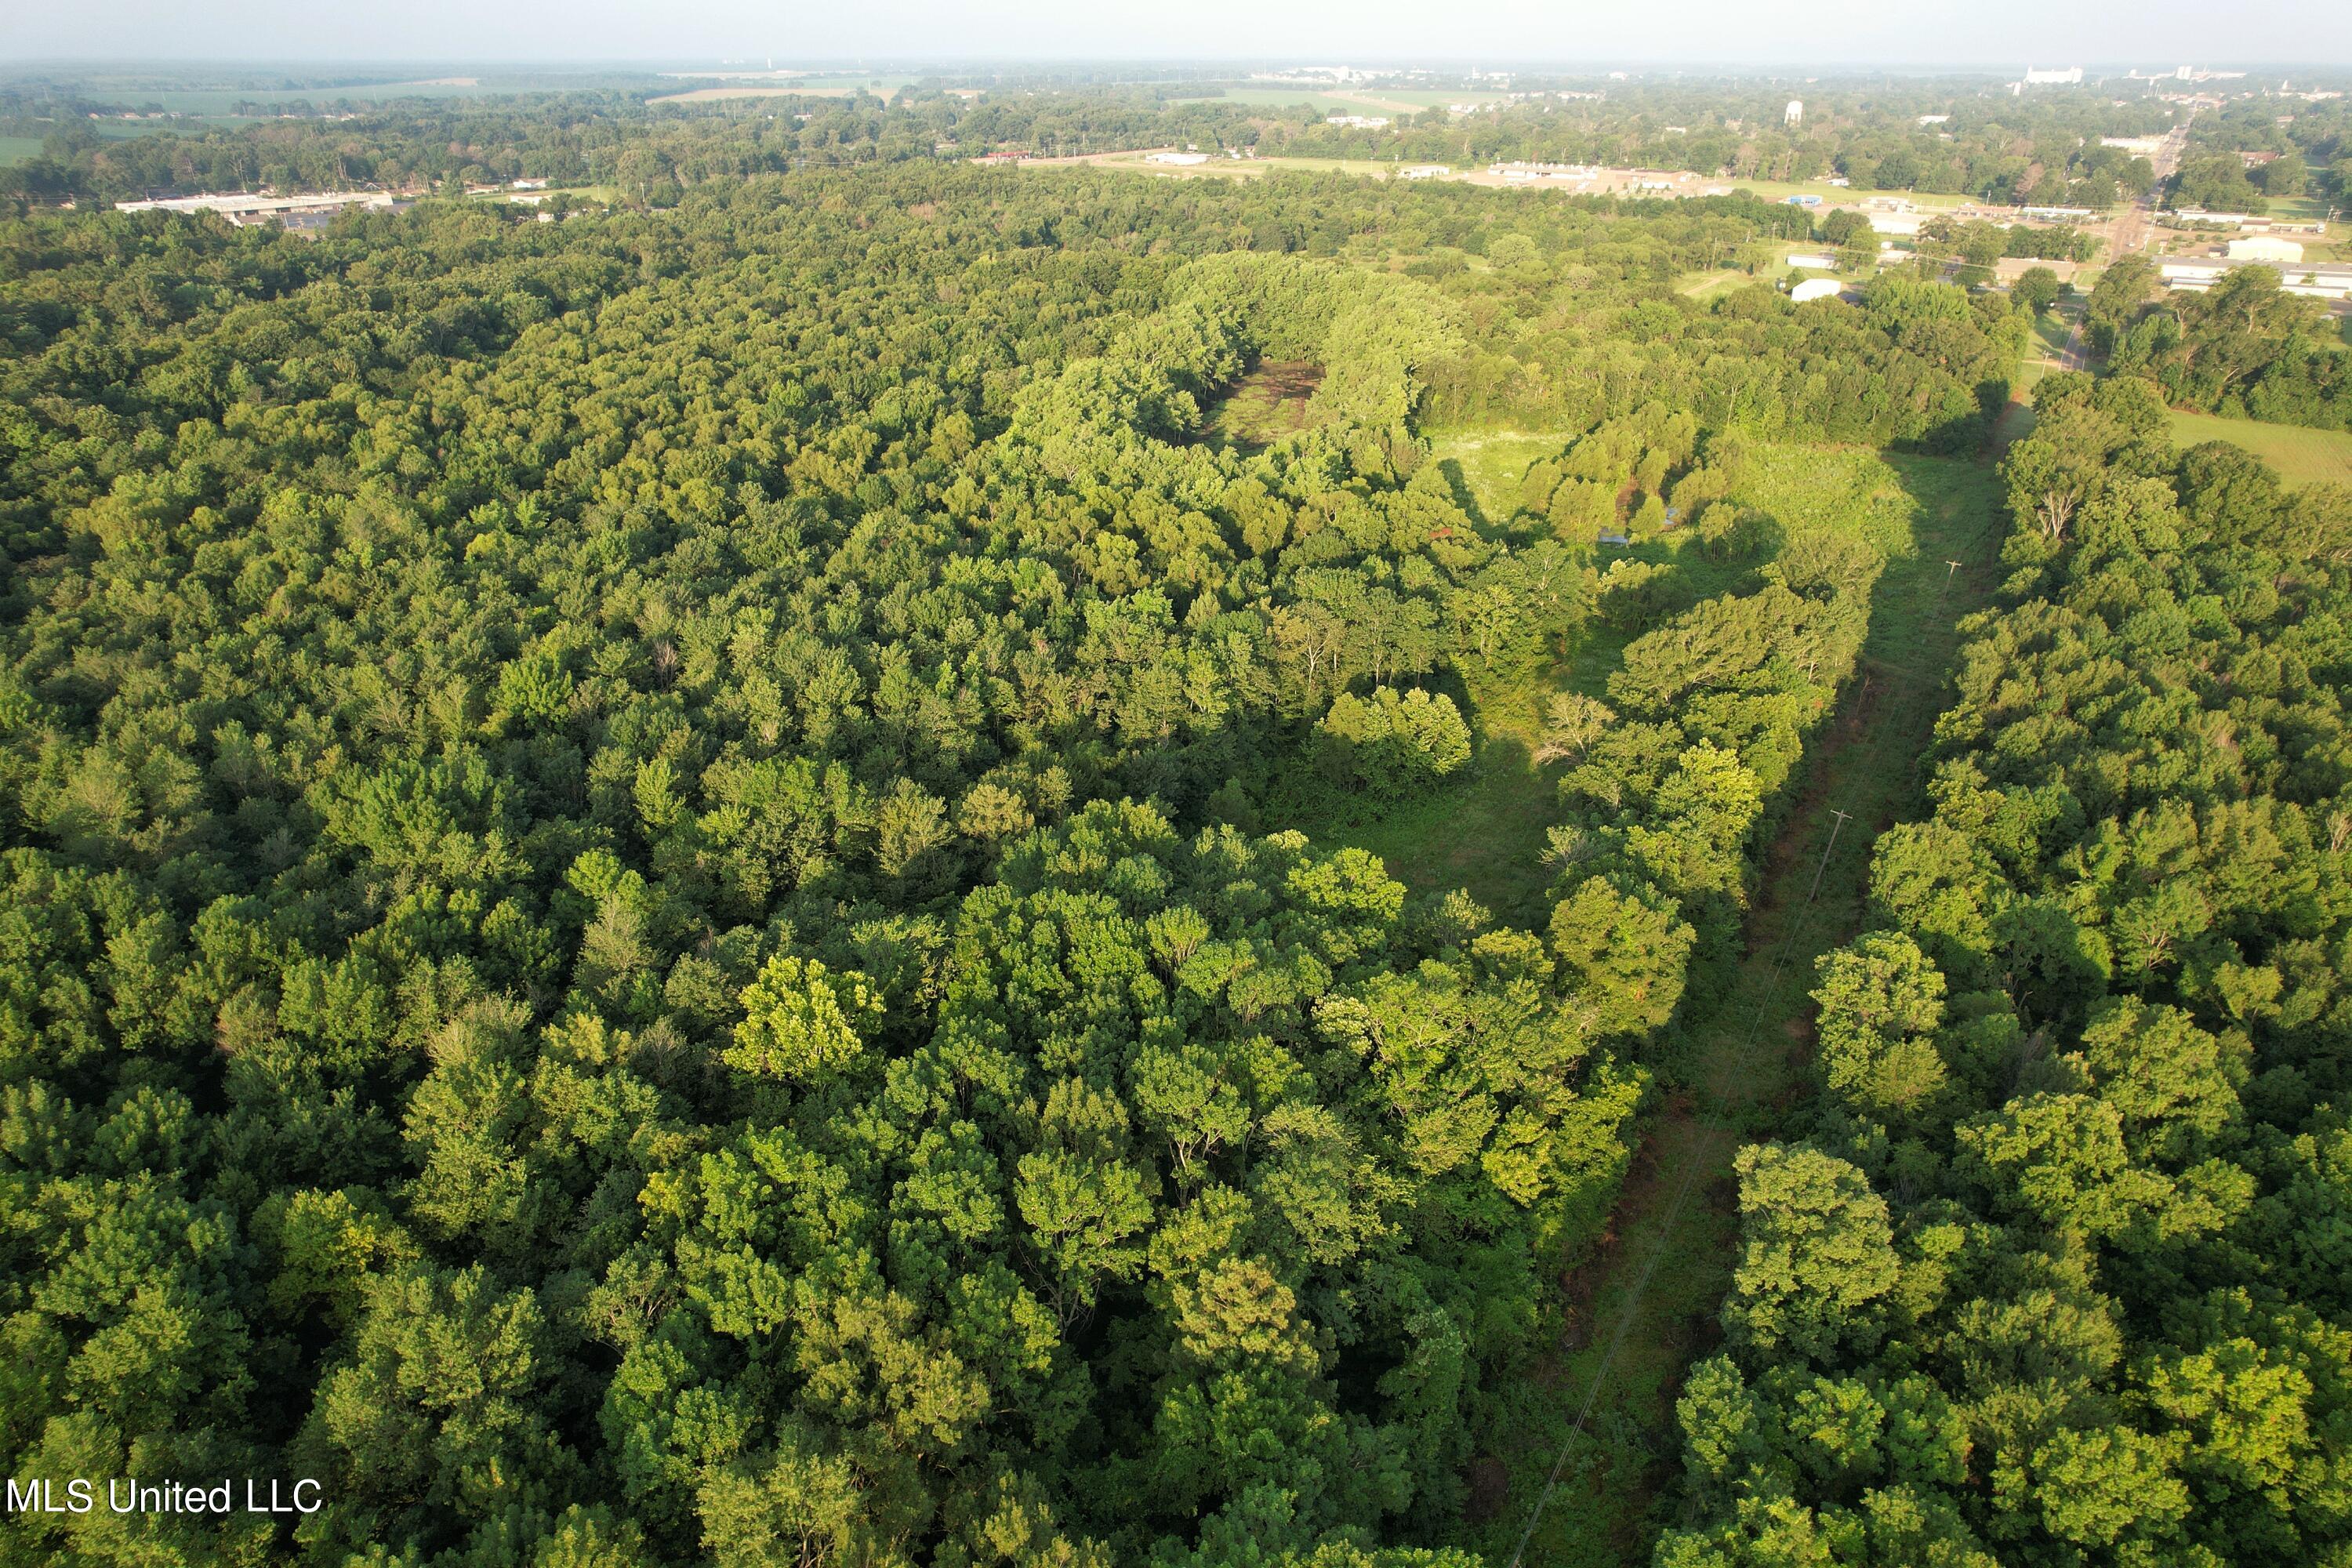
{"x": 2075, "y": 355}
{"x": 2134, "y": 229}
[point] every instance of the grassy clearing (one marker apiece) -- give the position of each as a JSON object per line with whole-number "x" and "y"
{"x": 1295, "y": 97}
{"x": 1482, "y": 835}
{"x": 1492, "y": 462}
{"x": 604, "y": 193}
{"x": 807, "y": 87}
{"x": 1832, "y": 196}
{"x": 1440, "y": 98}
{"x": 185, "y": 125}
{"x": 2297, "y": 209}
{"x": 1484, "y": 832}
{"x": 18, "y": 149}
{"x": 1738, "y": 1057}
{"x": 1378, "y": 168}
{"x": 1711, "y": 285}
{"x": 1231, "y": 168}
{"x": 1845, "y": 489}
{"x": 1269, "y": 402}
{"x": 2301, "y": 456}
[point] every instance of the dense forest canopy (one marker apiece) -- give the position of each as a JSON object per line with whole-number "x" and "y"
{"x": 660, "y": 906}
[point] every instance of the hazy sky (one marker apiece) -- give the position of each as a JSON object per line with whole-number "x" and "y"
{"x": 2007, "y": 33}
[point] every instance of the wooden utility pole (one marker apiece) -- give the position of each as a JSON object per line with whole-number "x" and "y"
{"x": 1834, "y": 828}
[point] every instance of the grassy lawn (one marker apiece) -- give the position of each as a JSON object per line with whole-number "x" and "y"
{"x": 18, "y": 149}
{"x": 2298, "y": 209}
{"x": 2301, "y": 456}
{"x": 1645, "y": 1306}
{"x": 2051, "y": 330}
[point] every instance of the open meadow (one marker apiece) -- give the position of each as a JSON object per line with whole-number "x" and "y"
{"x": 2302, "y": 457}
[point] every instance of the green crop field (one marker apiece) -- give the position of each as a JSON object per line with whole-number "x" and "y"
{"x": 2301, "y": 456}
{"x": 18, "y": 149}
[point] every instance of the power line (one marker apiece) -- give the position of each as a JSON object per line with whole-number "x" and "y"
{"x": 1826, "y": 849}
{"x": 1691, "y": 1168}
{"x": 1800, "y": 922}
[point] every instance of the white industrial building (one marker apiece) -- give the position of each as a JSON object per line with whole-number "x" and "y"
{"x": 1795, "y": 113}
{"x": 1519, "y": 172}
{"x": 2071, "y": 76}
{"x": 247, "y": 210}
{"x": 2265, "y": 247}
{"x": 1183, "y": 157}
{"x": 1814, "y": 288}
{"x": 2321, "y": 281}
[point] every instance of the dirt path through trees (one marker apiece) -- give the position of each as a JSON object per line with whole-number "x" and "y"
{"x": 1605, "y": 1443}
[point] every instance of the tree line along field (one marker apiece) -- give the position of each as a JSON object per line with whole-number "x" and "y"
{"x": 905, "y": 864}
